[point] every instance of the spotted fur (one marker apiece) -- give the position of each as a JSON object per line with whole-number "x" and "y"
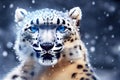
{"x": 49, "y": 46}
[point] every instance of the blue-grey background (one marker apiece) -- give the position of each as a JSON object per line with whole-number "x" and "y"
{"x": 100, "y": 30}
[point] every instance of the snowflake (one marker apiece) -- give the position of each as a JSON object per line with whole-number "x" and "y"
{"x": 93, "y": 3}
{"x": 11, "y": 6}
{"x": 110, "y": 27}
{"x": 33, "y": 1}
{"x": 4, "y": 6}
{"x": 9, "y": 45}
{"x": 5, "y": 53}
{"x": 112, "y": 36}
{"x": 92, "y": 49}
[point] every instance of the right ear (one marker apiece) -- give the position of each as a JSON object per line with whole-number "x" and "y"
{"x": 75, "y": 14}
{"x": 20, "y": 14}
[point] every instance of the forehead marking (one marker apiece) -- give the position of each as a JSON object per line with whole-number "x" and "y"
{"x": 31, "y": 22}
{"x": 63, "y": 21}
{"x": 37, "y": 21}
{"x": 58, "y": 21}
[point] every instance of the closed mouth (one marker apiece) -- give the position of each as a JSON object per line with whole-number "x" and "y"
{"x": 48, "y": 59}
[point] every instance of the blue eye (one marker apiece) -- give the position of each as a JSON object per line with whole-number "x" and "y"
{"x": 34, "y": 29}
{"x": 61, "y": 29}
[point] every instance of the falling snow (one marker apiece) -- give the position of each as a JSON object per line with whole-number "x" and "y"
{"x": 5, "y": 53}
{"x": 4, "y": 6}
{"x": 107, "y": 15}
{"x": 110, "y": 28}
{"x": 92, "y": 49}
{"x": 93, "y": 42}
{"x": 9, "y": 45}
{"x": 33, "y": 1}
{"x": 112, "y": 36}
{"x": 93, "y": 2}
{"x": 96, "y": 37}
{"x": 87, "y": 36}
{"x": 11, "y": 6}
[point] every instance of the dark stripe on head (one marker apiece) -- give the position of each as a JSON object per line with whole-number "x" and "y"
{"x": 37, "y": 21}
{"x": 63, "y": 21}
{"x": 58, "y": 21}
{"x": 31, "y": 22}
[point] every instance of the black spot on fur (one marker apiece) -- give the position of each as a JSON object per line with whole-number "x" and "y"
{"x": 63, "y": 21}
{"x": 23, "y": 40}
{"x": 35, "y": 45}
{"x": 84, "y": 57}
{"x": 51, "y": 22}
{"x": 37, "y": 54}
{"x": 79, "y": 66}
{"x": 82, "y": 78}
{"x": 87, "y": 65}
{"x": 58, "y": 21}
{"x": 73, "y": 75}
{"x": 69, "y": 29}
{"x": 71, "y": 40}
{"x": 31, "y": 54}
{"x": 88, "y": 74}
{"x": 94, "y": 78}
{"x": 57, "y": 55}
{"x": 85, "y": 70}
{"x": 65, "y": 41}
{"x": 31, "y": 22}
{"x": 14, "y": 76}
{"x": 71, "y": 54}
{"x": 80, "y": 47}
{"x": 75, "y": 46}
{"x": 68, "y": 24}
{"x": 57, "y": 38}
{"x": 25, "y": 29}
{"x": 25, "y": 71}
{"x": 76, "y": 38}
{"x": 32, "y": 73}
{"x": 87, "y": 79}
{"x": 37, "y": 21}
{"x": 91, "y": 71}
{"x": 63, "y": 55}
{"x": 20, "y": 47}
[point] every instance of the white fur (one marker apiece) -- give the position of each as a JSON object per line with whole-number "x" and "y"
{"x": 20, "y": 14}
{"x": 75, "y": 13}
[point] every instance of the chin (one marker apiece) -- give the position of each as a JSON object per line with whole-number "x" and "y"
{"x": 48, "y": 59}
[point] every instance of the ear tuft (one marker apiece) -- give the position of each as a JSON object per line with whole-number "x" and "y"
{"x": 75, "y": 13}
{"x": 20, "y": 14}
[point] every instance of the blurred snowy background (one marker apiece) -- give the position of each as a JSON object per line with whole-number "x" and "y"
{"x": 100, "y": 30}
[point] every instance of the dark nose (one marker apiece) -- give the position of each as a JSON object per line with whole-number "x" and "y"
{"x": 47, "y": 46}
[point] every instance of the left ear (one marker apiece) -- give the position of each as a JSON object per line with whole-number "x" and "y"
{"x": 76, "y": 15}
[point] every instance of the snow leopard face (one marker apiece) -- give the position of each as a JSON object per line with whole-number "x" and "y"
{"x": 46, "y": 31}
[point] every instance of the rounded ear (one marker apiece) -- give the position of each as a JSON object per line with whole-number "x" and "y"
{"x": 20, "y": 14}
{"x": 76, "y": 14}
